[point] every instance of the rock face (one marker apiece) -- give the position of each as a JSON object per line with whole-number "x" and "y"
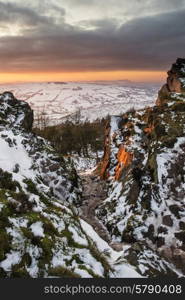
{"x": 104, "y": 165}
{"x": 145, "y": 164}
{"x": 175, "y": 82}
{"x": 16, "y": 113}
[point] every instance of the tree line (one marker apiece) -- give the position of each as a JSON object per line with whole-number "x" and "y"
{"x": 74, "y": 136}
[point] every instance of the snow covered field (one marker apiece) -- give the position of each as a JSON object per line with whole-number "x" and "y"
{"x": 59, "y": 100}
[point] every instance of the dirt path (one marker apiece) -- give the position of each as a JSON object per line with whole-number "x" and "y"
{"x": 94, "y": 192}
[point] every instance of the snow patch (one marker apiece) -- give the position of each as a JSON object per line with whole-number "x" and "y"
{"x": 13, "y": 258}
{"x": 37, "y": 229}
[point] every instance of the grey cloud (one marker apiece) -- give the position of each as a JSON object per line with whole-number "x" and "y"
{"x": 154, "y": 3}
{"x": 101, "y": 25}
{"x": 12, "y": 13}
{"x": 131, "y": 7}
{"x": 148, "y": 43}
{"x": 83, "y": 2}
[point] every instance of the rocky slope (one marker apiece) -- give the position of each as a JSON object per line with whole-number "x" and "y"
{"x": 144, "y": 164}
{"x": 41, "y": 234}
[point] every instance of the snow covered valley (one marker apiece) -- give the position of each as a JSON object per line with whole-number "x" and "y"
{"x": 57, "y": 101}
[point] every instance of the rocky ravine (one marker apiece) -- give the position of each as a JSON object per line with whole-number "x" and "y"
{"x": 144, "y": 162}
{"x": 94, "y": 192}
{"x": 42, "y": 233}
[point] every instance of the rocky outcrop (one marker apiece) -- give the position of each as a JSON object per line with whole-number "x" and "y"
{"x": 14, "y": 112}
{"x": 146, "y": 174}
{"x": 175, "y": 82}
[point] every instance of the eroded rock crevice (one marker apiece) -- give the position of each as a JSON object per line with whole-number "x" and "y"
{"x": 94, "y": 192}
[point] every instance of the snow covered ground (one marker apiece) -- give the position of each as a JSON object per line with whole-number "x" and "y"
{"x": 93, "y": 99}
{"x": 120, "y": 270}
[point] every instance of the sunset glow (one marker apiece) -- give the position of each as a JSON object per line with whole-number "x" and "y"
{"x": 138, "y": 76}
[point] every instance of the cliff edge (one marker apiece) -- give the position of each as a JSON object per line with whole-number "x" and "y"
{"x": 144, "y": 164}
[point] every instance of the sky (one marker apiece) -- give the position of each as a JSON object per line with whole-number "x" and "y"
{"x": 90, "y": 39}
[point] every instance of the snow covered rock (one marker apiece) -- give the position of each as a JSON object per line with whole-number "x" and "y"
{"x": 144, "y": 163}
{"x": 175, "y": 83}
{"x": 14, "y": 112}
